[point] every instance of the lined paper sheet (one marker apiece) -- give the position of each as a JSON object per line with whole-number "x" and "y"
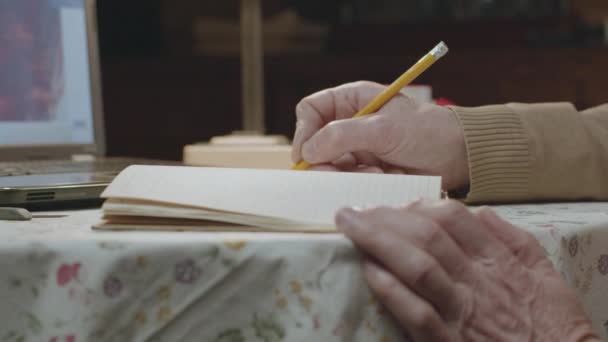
{"x": 306, "y": 197}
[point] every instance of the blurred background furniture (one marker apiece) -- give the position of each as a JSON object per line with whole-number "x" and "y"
{"x": 184, "y": 86}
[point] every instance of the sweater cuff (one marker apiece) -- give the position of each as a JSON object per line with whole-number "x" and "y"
{"x": 498, "y": 150}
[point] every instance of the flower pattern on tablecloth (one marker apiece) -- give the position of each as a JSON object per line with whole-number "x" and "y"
{"x": 112, "y": 287}
{"x": 187, "y": 272}
{"x": 573, "y": 246}
{"x": 68, "y": 338}
{"x": 66, "y": 273}
{"x": 602, "y": 264}
{"x": 66, "y": 283}
{"x": 230, "y": 335}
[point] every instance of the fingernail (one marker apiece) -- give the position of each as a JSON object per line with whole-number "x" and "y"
{"x": 346, "y": 219}
{"x": 309, "y": 152}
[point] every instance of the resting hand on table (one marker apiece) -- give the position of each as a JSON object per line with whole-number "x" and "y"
{"x": 449, "y": 275}
{"x": 402, "y": 137}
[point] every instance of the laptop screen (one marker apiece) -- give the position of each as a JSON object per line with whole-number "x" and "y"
{"x": 45, "y": 91}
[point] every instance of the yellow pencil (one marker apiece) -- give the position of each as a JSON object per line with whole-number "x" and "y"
{"x": 423, "y": 64}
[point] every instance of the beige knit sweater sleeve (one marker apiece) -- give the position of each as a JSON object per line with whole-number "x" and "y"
{"x": 535, "y": 152}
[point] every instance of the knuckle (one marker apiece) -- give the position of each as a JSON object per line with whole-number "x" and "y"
{"x": 485, "y": 210}
{"x": 388, "y": 291}
{"x": 371, "y": 216}
{"x": 385, "y": 216}
{"x": 529, "y": 239}
{"x": 308, "y": 108}
{"x": 423, "y": 269}
{"x": 378, "y": 213}
{"x": 455, "y": 207}
{"x": 451, "y": 209}
{"x": 376, "y": 234}
{"x": 429, "y": 234}
{"x": 463, "y": 304}
{"x": 363, "y": 84}
{"x": 414, "y": 205}
{"x": 354, "y": 91}
{"x": 303, "y": 108}
{"x": 532, "y": 247}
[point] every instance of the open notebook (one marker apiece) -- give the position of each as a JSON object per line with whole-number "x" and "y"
{"x": 220, "y": 199}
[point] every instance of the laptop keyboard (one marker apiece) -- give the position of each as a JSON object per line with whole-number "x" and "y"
{"x": 110, "y": 165}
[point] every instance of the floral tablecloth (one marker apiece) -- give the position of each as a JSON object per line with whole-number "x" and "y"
{"x": 62, "y": 282}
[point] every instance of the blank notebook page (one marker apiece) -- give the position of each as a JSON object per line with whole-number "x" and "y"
{"x": 303, "y": 196}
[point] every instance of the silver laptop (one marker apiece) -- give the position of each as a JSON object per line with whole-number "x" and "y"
{"x": 51, "y": 119}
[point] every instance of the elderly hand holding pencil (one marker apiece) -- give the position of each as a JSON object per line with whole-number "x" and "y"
{"x": 337, "y": 131}
{"x": 444, "y": 272}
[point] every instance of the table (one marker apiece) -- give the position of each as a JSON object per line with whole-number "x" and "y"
{"x": 62, "y": 282}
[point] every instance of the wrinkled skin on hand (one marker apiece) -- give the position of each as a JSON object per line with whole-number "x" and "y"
{"x": 404, "y": 136}
{"x": 447, "y": 274}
